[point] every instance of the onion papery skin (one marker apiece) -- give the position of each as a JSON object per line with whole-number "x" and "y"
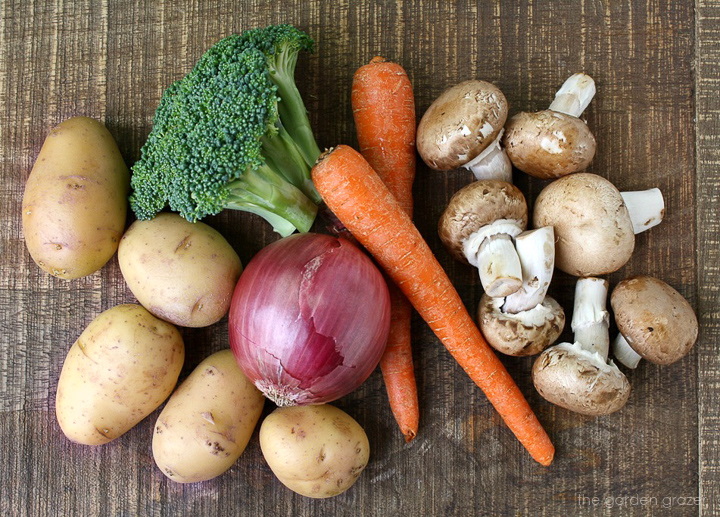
{"x": 309, "y": 319}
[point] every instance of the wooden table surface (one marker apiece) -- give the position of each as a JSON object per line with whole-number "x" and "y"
{"x": 655, "y": 118}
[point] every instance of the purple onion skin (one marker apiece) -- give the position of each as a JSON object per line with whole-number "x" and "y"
{"x": 309, "y": 319}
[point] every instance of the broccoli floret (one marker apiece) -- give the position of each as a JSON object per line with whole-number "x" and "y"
{"x": 233, "y": 133}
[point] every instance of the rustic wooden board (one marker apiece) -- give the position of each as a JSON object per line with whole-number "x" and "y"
{"x": 655, "y": 118}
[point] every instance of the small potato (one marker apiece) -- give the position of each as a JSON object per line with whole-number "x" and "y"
{"x": 75, "y": 201}
{"x": 121, "y": 368}
{"x": 182, "y": 272}
{"x": 208, "y": 421}
{"x": 316, "y": 451}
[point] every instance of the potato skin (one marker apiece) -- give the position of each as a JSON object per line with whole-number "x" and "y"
{"x": 75, "y": 202}
{"x": 121, "y": 368}
{"x": 182, "y": 272}
{"x": 316, "y": 451}
{"x": 207, "y": 423}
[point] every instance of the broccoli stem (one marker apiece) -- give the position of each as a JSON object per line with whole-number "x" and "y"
{"x": 284, "y": 156}
{"x": 266, "y": 193}
{"x": 291, "y": 107}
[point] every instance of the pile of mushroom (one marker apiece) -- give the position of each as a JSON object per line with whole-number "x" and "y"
{"x": 484, "y": 222}
{"x": 581, "y": 224}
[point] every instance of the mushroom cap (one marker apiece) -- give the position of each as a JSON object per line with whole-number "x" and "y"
{"x": 656, "y": 320}
{"x": 593, "y": 231}
{"x": 478, "y": 204}
{"x": 460, "y": 124}
{"x": 573, "y": 378}
{"x": 548, "y": 144}
{"x": 525, "y": 333}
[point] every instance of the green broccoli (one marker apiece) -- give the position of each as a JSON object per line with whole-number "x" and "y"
{"x": 233, "y": 133}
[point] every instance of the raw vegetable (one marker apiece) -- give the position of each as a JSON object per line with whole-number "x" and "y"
{"x": 309, "y": 319}
{"x": 180, "y": 271}
{"x": 654, "y": 322}
{"x": 527, "y": 321}
{"x": 463, "y": 127}
{"x": 578, "y": 375}
{"x": 233, "y": 134}
{"x": 384, "y": 111}
{"x": 75, "y": 200}
{"x": 478, "y": 227}
{"x": 316, "y": 451}
{"x": 121, "y": 368}
{"x": 355, "y": 193}
{"x": 207, "y": 423}
{"x": 594, "y": 227}
{"x": 554, "y": 142}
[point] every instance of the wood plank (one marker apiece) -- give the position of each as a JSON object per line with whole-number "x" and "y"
{"x": 112, "y": 60}
{"x": 707, "y": 81}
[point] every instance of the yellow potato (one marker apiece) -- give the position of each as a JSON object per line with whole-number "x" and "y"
{"x": 182, "y": 272}
{"x": 208, "y": 421}
{"x": 121, "y": 368}
{"x": 316, "y": 451}
{"x": 75, "y": 201}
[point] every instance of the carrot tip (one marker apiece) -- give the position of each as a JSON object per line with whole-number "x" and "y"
{"x": 409, "y": 435}
{"x": 547, "y": 460}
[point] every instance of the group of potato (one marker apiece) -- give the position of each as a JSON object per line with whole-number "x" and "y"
{"x": 128, "y": 360}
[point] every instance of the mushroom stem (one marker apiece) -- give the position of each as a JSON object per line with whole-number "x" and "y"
{"x": 499, "y": 266}
{"x": 492, "y": 251}
{"x": 492, "y": 163}
{"x": 574, "y": 95}
{"x": 590, "y": 321}
{"x": 624, "y": 353}
{"x": 646, "y": 208}
{"x": 536, "y": 250}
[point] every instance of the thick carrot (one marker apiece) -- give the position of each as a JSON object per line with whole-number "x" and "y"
{"x": 384, "y": 111}
{"x": 358, "y": 197}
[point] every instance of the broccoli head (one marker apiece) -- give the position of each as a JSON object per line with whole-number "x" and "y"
{"x": 233, "y": 134}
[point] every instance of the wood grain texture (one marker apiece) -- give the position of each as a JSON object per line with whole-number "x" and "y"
{"x": 707, "y": 80}
{"x": 112, "y": 59}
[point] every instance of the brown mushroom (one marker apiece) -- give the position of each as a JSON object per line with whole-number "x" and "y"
{"x": 477, "y": 227}
{"x": 463, "y": 128}
{"x": 654, "y": 321}
{"x": 554, "y": 142}
{"x": 583, "y": 382}
{"x": 578, "y": 376}
{"x": 593, "y": 226}
{"x": 527, "y": 321}
{"x": 523, "y": 333}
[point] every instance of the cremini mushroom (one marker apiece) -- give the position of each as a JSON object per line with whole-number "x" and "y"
{"x": 478, "y": 227}
{"x": 527, "y": 321}
{"x": 463, "y": 128}
{"x": 594, "y": 227}
{"x": 554, "y": 142}
{"x": 578, "y": 376}
{"x": 654, "y": 321}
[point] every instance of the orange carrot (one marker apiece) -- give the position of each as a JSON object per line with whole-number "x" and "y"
{"x": 358, "y": 197}
{"x": 384, "y": 110}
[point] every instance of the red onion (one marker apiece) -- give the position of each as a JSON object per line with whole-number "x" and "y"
{"x": 309, "y": 319}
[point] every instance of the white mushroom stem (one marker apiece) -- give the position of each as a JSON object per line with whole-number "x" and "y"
{"x": 536, "y": 250}
{"x": 590, "y": 321}
{"x": 624, "y": 353}
{"x": 492, "y": 251}
{"x": 646, "y": 208}
{"x": 574, "y": 95}
{"x": 492, "y": 163}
